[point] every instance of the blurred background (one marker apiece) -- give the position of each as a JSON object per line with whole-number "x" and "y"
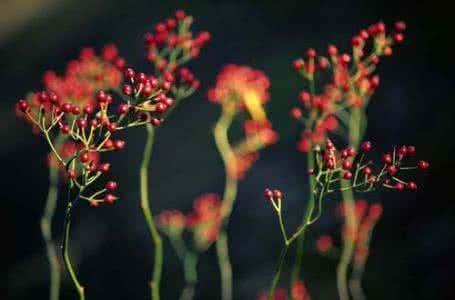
{"x": 412, "y": 255}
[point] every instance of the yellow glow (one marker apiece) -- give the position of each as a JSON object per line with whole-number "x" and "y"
{"x": 254, "y": 106}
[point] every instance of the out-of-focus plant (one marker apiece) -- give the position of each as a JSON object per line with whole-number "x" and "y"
{"x": 242, "y": 92}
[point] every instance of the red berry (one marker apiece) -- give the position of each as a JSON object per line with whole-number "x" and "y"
{"x": 398, "y": 37}
{"x": 141, "y": 77}
{"x": 127, "y": 89}
{"x": 374, "y": 81}
{"x": 76, "y": 110}
{"x": 367, "y": 171}
{"x": 412, "y": 186}
{"x": 81, "y": 123}
{"x": 296, "y": 113}
{"x": 53, "y": 98}
{"x": 84, "y": 157}
{"x": 65, "y": 129}
{"x": 109, "y": 198}
{"x": 347, "y": 175}
{"x": 345, "y": 58}
{"x": 277, "y": 194}
{"x": 366, "y": 146}
{"x": 104, "y": 168}
{"x": 109, "y": 144}
{"x": 180, "y": 14}
{"x": 119, "y": 144}
{"x": 323, "y": 63}
{"x": 94, "y": 123}
{"x": 88, "y": 109}
{"x": 410, "y": 150}
{"x": 129, "y": 73}
{"x": 304, "y": 97}
{"x": 297, "y": 64}
{"x": 423, "y": 165}
{"x": 403, "y": 150}
{"x": 332, "y": 50}
{"x": 101, "y": 96}
{"x": 346, "y": 165}
{"x": 161, "y": 107}
{"x": 351, "y": 151}
{"x": 399, "y": 186}
{"x": 168, "y": 101}
{"x": 268, "y": 193}
{"x": 111, "y": 186}
{"x": 374, "y": 60}
{"x": 311, "y": 53}
{"x": 167, "y": 85}
{"x": 43, "y": 97}
{"x": 66, "y": 107}
{"x": 155, "y": 122}
{"x": 391, "y": 170}
{"x": 146, "y": 90}
{"x": 72, "y": 174}
{"x": 331, "y": 164}
{"x": 400, "y": 26}
{"x": 123, "y": 109}
{"x": 112, "y": 127}
{"x": 23, "y": 105}
{"x": 344, "y": 153}
{"x": 387, "y": 159}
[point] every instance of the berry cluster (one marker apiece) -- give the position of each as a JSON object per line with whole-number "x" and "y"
{"x": 367, "y": 215}
{"x": 172, "y": 45}
{"x": 363, "y": 174}
{"x": 204, "y": 221}
{"x": 239, "y": 89}
{"x": 350, "y": 81}
{"x": 75, "y": 90}
{"x": 298, "y": 292}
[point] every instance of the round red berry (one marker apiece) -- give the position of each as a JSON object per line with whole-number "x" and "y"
{"x": 104, "y": 168}
{"x": 111, "y": 186}
{"x": 366, "y": 146}
{"x": 277, "y": 194}
{"x": 412, "y": 186}
{"x": 119, "y": 144}
{"x": 423, "y": 165}
{"x": 268, "y": 193}
{"x": 399, "y": 186}
{"x": 109, "y": 198}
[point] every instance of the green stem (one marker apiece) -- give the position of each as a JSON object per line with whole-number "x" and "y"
{"x": 66, "y": 258}
{"x": 299, "y": 250}
{"x": 355, "y": 130}
{"x": 190, "y": 270}
{"x": 225, "y": 266}
{"x": 158, "y": 261}
{"x": 230, "y": 193}
{"x": 46, "y": 229}
{"x": 277, "y": 276}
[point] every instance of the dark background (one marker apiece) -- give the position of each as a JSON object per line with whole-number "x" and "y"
{"x": 413, "y": 246}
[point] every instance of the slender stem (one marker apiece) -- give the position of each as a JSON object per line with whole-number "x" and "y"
{"x": 158, "y": 261}
{"x": 348, "y": 244}
{"x": 230, "y": 193}
{"x": 66, "y": 258}
{"x": 46, "y": 229}
{"x": 190, "y": 271}
{"x": 277, "y": 276}
{"x": 224, "y": 264}
{"x": 299, "y": 250}
{"x": 351, "y": 218}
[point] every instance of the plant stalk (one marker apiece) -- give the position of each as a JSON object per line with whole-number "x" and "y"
{"x": 145, "y": 205}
